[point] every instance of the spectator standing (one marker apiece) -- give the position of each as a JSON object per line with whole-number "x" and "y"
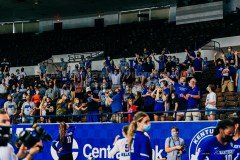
{"x": 192, "y": 98}
{"x": 61, "y": 107}
{"x": 219, "y": 68}
{"x": 198, "y": 67}
{"x": 11, "y": 108}
{"x": 92, "y": 105}
{"x": 27, "y": 110}
{"x": 159, "y": 105}
{"x": 63, "y": 68}
{"x": 210, "y": 104}
{"x": 116, "y": 103}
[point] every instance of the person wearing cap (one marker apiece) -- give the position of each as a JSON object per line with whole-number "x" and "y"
{"x": 92, "y": 104}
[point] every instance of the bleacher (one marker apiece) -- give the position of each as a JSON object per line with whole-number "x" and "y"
{"x": 116, "y": 40}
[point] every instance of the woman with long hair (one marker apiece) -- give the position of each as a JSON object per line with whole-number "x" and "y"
{"x": 65, "y": 141}
{"x": 218, "y": 146}
{"x": 138, "y": 142}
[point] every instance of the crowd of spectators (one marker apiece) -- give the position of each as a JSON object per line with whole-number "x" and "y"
{"x": 150, "y": 82}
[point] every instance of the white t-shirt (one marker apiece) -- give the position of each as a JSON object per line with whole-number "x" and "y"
{"x": 211, "y": 97}
{"x": 120, "y": 146}
{"x": 10, "y": 107}
{"x": 27, "y": 108}
{"x": 7, "y": 153}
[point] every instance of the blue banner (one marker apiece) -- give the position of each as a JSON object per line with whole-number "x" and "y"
{"x": 96, "y": 140}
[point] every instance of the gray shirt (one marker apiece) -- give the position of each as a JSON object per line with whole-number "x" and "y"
{"x": 75, "y": 111}
{"x": 170, "y": 142}
{"x": 28, "y": 108}
{"x": 10, "y": 107}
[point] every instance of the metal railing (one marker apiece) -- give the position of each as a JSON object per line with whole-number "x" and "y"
{"x": 120, "y": 117}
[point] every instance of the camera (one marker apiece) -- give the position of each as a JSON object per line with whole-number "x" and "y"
{"x": 30, "y": 138}
{"x": 183, "y": 149}
{"x": 5, "y": 135}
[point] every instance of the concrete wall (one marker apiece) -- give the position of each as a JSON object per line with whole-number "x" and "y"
{"x": 228, "y": 41}
{"x": 199, "y": 13}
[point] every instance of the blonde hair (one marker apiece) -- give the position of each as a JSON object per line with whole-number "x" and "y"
{"x": 62, "y": 131}
{"x": 75, "y": 100}
{"x": 138, "y": 117}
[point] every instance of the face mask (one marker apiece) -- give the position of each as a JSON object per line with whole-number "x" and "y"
{"x": 28, "y": 92}
{"x": 96, "y": 86}
{"x": 173, "y": 97}
{"x": 37, "y": 92}
{"x": 182, "y": 83}
{"x": 174, "y": 134}
{"x": 227, "y": 138}
{"x": 146, "y": 127}
{"x": 207, "y": 89}
{"x": 9, "y": 99}
{"x": 104, "y": 87}
{"x": 161, "y": 85}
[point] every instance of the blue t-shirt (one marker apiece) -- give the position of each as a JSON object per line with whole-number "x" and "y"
{"x": 131, "y": 62}
{"x": 193, "y": 102}
{"x": 68, "y": 141}
{"x": 159, "y": 105}
{"x": 229, "y": 56}
{"x": 197, "y": 64}
{"x": 141, "y": 147}
{"x": 212, "y": 149}
{"x": 236, "y": 146}
{"x": 161, "y": 64}
{"x": 181, "y": 89}
{"x": 166, "y": 91}
{"x": 219, "y": 70}
{"x": 117, "y": 103}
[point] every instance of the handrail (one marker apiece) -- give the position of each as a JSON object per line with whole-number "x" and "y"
{"x": 218, "y": 45}
{"x": 125, "y": 114}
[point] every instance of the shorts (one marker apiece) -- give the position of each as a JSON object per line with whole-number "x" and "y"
{"x": 146, "y": 74}
{"x": 227, "y": 84}
{"x": 210, "y": 111}
{"x": 138, "y": 73}
{"x": 195, "y": 116}
{"x": 160, "y": 111}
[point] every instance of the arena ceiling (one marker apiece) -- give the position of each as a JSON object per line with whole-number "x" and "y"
{"x": 13, "y": 10}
